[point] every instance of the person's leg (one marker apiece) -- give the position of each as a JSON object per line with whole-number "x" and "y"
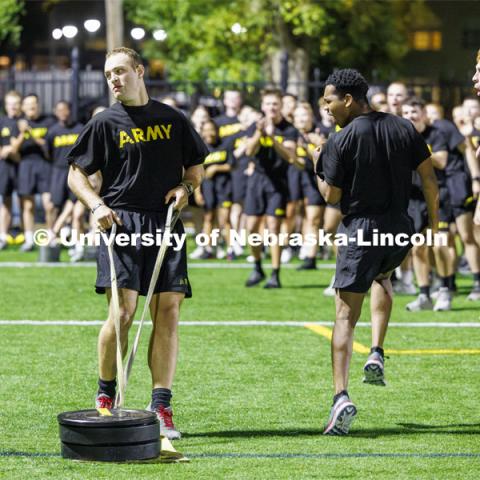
{"x": 381, "y": 299}
{"x": 5, "y": 220}
{"x": 162, "y": 357}
{"x": 257, "y": 275}
{"x": 28, "y": 203}
{"x": 50, "y": 210}
{"x": 445, "y": 269}
{"x": 313, "y": 221}
{"x": 107, "y": 345}
{"x": 348, "y": 309}
{"x": 273, "y": 226}
{"x": 472, "y": 252}
{"x": 421, "y": 267}
{"x": 331, "y": 221}
{"x": 163, "y": 347}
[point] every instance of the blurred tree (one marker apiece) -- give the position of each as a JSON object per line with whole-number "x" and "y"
{"x": 242, "y": 40}
{"x": 10, "y": 28}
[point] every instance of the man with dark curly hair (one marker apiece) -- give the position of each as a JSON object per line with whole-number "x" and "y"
{"x": 367, "y": 167}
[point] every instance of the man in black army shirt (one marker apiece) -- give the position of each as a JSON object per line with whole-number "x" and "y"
{"x": 367, "y": 167}
{"x": 148, "y": 154}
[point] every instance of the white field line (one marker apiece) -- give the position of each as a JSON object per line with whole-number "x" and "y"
{"x": 233, "y": 265}
{"x": 240, "y": 323}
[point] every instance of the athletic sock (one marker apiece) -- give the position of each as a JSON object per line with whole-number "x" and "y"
{"x": 310, "y": 261}
{"x": 108, "y": 387}
{"x": 377, "y": 350}
{"x": 407, "y": 277}
{"x": 444, "y": 282}
{"x": 28, "y": 237}
{"x": 451, "y": 283}
{"x": 275, "y": 273}
{"x": 161, "y": 397}
{"x": 338, "y": 395}
{"x": 425, "y": 290}
{"x": 476, "y": 277}
{"x": 258, "y": 266}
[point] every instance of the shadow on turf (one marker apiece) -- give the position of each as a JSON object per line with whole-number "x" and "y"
{"x": 403, "y": 429}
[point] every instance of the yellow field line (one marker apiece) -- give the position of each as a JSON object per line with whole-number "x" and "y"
{"x": 360, "y": 348}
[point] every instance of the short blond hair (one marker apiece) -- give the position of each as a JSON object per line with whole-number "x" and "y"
{"x": 130, "y": 53}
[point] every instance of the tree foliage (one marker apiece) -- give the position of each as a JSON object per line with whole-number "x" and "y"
{"x": 371, "y": 35}
{"x": 10, "y": 28}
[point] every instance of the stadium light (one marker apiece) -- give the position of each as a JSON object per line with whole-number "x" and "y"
{"x": 160, "y": 35}
{"x": 69, "y": 31}
{"x": 237, "y": 29}
{"x": 137, "y": 33}
{"x": 92, "y": 25}
{"x": 57, "y": 34}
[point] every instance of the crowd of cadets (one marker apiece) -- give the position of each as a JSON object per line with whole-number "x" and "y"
{"x": 259, "y": 174}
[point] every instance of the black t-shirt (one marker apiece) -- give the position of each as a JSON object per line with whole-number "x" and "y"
{"x": 227, "y": 126}
{"x": 60, "y": 139}
{"x": 39, "y": 129}
{"x": 454, "y": 139}
{"x": 372, "y": 160}
{"x": 7, "y": 128}
{"x": 141, "y": 152}
{"x": 235, "y": 141}
{"x": 267, "y": 160}
{"x": 219, "y": 154}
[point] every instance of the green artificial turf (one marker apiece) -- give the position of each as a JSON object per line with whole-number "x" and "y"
{"x": 251, "y": 401}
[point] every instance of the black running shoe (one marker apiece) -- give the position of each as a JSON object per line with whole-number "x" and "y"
{"x": 273, "y": 282}
{"x": 255, "y": 278}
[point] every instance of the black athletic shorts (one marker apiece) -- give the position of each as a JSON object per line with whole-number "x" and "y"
{"x": 217, "y": 192}
{"x": 239, "y": 183}
{"x": 34, "y": 176}
{"x": 459, "y": 185}
{"x": 264, "y": 197}
{"x": 59, "y": 187}
{"x": 8, "y": 178}
{"x": 310, "y": 189}
{"x": 294, "y": 178}
{"x": 357, "y": 265}
{"x": 134, "y": 264}
{"x": 417, "y": 211}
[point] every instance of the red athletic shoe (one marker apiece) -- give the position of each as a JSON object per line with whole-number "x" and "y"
{"x": 104, "y": 401}
{"x": 167, "y": 428}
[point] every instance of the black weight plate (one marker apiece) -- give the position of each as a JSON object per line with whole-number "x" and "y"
{"x": 119, "y": 453}
{"x": 109, "y": 436}
{"x": 119, "y": 418}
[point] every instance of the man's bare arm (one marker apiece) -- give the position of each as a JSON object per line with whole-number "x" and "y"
{"x": 430, "y": 191}
{"x": 193, "y": 176}
{"x": 81, "y": 187}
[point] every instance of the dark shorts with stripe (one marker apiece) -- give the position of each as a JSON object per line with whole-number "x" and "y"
{"x": 217, "y": 192}
{"x": 294, "y": 178}
{"x": 134, "y": 264}
{"x": 459, "y": 185}
{"x": 34, "y": 176}
{"x": 265, "y": 197}
{"x": 310, "y": 189}
{"x": 59, "y": 187}
{"x": 8, "y": 178}
{"x": 357, "y": 265}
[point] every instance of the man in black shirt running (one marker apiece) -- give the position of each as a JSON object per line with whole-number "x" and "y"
{"x": 148, "y": 154}
{"x": 367, "y": 167}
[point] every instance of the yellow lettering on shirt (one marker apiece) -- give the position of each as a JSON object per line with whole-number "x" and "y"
{"x": 150, "y": 133}
{"x": 65, "y": 140}
{"x": 268, "y": 141}
{"x": 5, "y": 132}
{"x": 216, "y": 157}
{"x": 227, "y": 130}
{"x": 429, "y": 148}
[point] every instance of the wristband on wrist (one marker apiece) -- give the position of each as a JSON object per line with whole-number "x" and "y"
{"x": 188, "y": 187}
{"x": 96, "y": 207}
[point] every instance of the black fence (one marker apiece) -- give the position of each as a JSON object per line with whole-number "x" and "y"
{"x": 86, "y": 89}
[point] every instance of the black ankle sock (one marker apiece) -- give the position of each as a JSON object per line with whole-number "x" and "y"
{"x": 451, "y": 282}
{"x": 338, "y": 395}
{"x": 161, "y": 397}
{"x": 444, "y": 282}
{"x": 425, "y": 290}
{"x": 378, "y": 350}
{"x": 476, "y": 277}
{"x": 275, "y": 273}
{"x": 107, "y": 387}
{"x": 258, "y": 266}
{"x": 310, "y": 261}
